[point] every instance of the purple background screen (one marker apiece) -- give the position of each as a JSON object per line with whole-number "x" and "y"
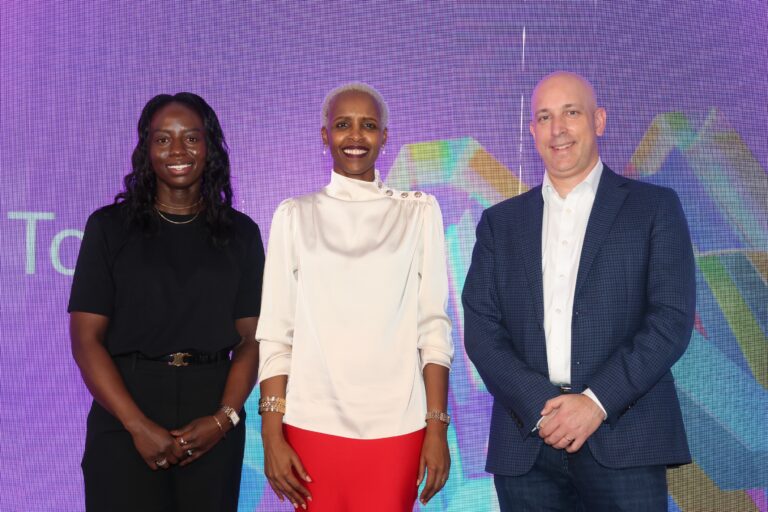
{"x": 684, "y": 84}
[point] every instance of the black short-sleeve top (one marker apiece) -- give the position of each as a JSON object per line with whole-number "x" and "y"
{"x": 169, "y": 291}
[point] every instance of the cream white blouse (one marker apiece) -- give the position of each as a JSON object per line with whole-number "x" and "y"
{"x": 353, "y": 308}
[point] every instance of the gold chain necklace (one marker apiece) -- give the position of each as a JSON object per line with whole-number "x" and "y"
{"x": 176, "y": 221}
{"x": 170, "y": 207}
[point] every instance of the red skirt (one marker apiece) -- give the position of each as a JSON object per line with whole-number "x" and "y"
{"x": 358, "y": 475}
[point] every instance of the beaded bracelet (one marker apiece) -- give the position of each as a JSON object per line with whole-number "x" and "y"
{"x": 272, "y": 404}
{"x": 439, "y": 416}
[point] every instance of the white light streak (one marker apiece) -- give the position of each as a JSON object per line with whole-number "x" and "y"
{"x": 522, "y": 109}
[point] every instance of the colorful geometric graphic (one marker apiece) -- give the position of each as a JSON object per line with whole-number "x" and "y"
{"x": 719, "y": 181}
{"x": 460, "y": 172}
{"x": 722, "y": 379}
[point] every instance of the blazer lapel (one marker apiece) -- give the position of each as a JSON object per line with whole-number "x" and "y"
{"x": 610, "y": 196}
{"x": 531, "y": 249}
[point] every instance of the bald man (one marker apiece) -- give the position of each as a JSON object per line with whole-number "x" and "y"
{"x": 579, "y": 299}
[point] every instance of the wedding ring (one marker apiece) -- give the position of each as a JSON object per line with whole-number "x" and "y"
{"x": 189, "y": 452}
{"x": 182, "y": 442}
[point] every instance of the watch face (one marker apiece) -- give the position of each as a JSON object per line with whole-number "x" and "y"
{"x": 234, "y": 418}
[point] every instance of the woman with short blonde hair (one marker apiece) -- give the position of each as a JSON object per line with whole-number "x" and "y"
{"x": 355, "y": 342}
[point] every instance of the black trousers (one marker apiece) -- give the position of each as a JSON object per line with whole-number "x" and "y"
{"x": 117, "y": 478}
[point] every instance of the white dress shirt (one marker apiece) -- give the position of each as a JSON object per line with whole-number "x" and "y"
{"x": 563, "y": 227}
{"x": 354, "y": 298}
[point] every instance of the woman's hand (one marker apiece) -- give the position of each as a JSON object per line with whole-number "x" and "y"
{"x": 198, "y": 436}
{"x": 155, "y": 444}
{"x": 435, "y": 459}
{"x": 281, "y": 465}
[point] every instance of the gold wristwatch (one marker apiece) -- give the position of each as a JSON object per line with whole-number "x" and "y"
{"x": 234, "y": 418}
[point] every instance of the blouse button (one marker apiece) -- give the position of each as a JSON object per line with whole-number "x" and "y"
{"x": 417, "y": 194}
{"x": 404, "y": 195}
{"x": 389, "y": 193}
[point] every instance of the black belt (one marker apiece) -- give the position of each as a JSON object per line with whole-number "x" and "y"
{"x": 188, "y": 358}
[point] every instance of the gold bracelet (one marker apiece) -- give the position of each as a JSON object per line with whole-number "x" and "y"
{"x": 218, "y": 423}
{"x": 439, "y": 416}
{"x": 272, "y": 404}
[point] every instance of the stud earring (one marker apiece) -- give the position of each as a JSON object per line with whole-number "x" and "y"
{"x": 325, "y": 150}
{"x": 383, "y": 150}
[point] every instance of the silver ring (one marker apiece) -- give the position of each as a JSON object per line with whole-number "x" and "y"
{"x": 182, "y": 442}
{"x": 161, "y": 462}
{"x": 189, "y": 452}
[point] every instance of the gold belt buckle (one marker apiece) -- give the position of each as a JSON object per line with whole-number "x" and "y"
{"x": 178, "y": 359}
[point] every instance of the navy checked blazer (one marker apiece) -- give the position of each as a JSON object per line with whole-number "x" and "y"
{"x": 633, "y": 313}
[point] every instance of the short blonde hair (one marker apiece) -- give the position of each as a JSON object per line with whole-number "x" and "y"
{"x": 359, "y": 87}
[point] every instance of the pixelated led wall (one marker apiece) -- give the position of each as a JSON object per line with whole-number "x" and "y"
{"x": 683, "y": 83}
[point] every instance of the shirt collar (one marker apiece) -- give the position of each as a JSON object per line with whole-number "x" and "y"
{"x": 592, "y": 181}
{"x": 350, "y": 189}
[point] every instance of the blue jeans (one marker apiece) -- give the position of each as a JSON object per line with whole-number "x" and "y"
{"x": 576, "y": 482}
